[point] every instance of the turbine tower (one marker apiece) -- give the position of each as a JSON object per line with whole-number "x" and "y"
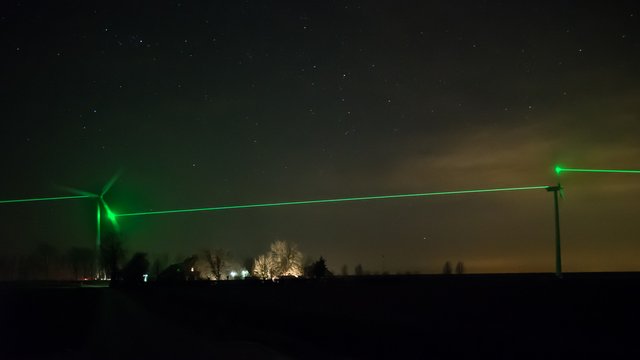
{"x": 557, "y": 189}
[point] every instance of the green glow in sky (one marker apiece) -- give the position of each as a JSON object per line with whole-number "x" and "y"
{"x": 379, "y": 197}
{"x": 46, "y": 199}
{"x": 559, "y": 169}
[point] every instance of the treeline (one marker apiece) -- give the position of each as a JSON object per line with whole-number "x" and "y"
{"x": 46, "y": 262}
{"x": 282, "y": 259}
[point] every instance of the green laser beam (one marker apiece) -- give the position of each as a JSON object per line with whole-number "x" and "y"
{"x": 304, "y": 202}
{"x": 46, "y": 199}
{"x": 561, "y": 169}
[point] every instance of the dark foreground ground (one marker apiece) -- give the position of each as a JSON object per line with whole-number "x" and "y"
{"x": 434, "y": 317}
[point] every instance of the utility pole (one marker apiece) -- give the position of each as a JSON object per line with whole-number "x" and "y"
{"x": 555, "y": 190}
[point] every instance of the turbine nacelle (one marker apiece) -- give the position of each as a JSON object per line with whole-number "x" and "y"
{"x": 558, "y": 169}
{"x": 112, "y": 216}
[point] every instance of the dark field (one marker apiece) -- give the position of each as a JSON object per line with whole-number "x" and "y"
{"x": 505, "y": 316}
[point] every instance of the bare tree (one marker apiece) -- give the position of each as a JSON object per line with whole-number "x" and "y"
{"x": 283, "y": 259}
{"x": 261, "y": 267}
{"x": 286, "y": 259}
{"x": 358, "y": 270}
{"x": 217, "y": 259}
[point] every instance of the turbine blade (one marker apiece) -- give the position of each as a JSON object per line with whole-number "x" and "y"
{"x": 110, "y": 183}
{"x": 76, "y": 191}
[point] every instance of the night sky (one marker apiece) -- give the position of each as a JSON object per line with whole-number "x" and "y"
{"x": 223, "y": 103}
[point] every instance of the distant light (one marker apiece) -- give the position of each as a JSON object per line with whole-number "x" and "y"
{"x": 192, "y": 269}
{"x": 145, "y": 277}
{"x": 244, "y": 273}
{"x": 233, "y": 274}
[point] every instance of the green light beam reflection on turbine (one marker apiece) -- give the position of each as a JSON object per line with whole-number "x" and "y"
{"x": 561, "y": 169}
{"x": 110, "y": 215}
{"x": 379, "y": 197}
{"x": 98, "y": 234}
{"x": 46, "y": 199}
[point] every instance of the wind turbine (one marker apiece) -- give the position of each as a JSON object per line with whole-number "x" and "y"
{"x": 100, "y": 205}
{"x": 559, "y": 170}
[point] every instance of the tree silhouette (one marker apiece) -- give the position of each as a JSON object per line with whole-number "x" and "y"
{"x": 318, "y": 269}
{"x": 344, "y": 271}
{"x": 446, "y": 269}
{"x": 188, "y": 267}
{"x": 358, "y": 270}
{"x": 111, "y": 254}
{"x": 248, "y": 264}
{"x": 159, "y": 264}
{"x": 460, "y": 268}
{"x": 44, "y": 261}
{"x": 217, "y": 260}
{"x": 134, "y": 271}
{"x": 82, "y": 262}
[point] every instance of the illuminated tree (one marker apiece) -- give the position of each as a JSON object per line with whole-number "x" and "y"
{"x": 283, "y": 259}
{"x": 261, "y": 267}
{"x": 217, "y": 260}
{"x": 286, "y": 260}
